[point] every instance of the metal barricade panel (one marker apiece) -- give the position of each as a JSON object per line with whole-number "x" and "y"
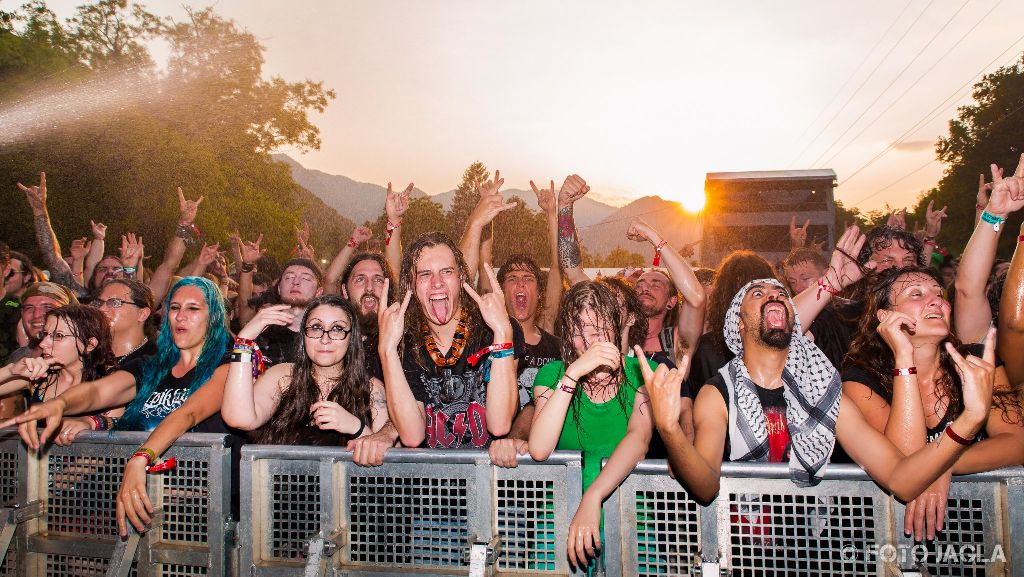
{"x": 400, "y": 517}
{"x": 662, "y": 524}
{"x": 81, "y": 493}
{"x": 771, "y": 527}
{"x": 293, "y": 508}
{"x": 532, "y": 515}
{"x": 12, "y": 461}
{"x": 74, "y": 566}
{"x": 185, "y": 501}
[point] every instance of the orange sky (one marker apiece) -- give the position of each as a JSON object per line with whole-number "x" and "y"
{"x": 638, "y": 98}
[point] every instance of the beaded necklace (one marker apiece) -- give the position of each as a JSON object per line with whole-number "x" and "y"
{"x": 458, "y": 343}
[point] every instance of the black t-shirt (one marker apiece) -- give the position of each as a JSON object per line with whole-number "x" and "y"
{"x": 547, "y": 349}
{"x": 773, "y": 402}
{"x": 704, "y": 366}
{"x": 169, "y": 395}
{"x": 10, "y": 316}
{"x": 454, "y": 397}
{"x": 278, "y": 344}
{"x": 831, "y": 335}
{"x": 146, "y": 350}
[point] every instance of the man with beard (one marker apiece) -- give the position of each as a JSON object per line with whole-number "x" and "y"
{"x": 781, "y": 400}
{"x": 449, "y": 360}
{"x": 362, "y": 283}
{"x": 300, "y": 283}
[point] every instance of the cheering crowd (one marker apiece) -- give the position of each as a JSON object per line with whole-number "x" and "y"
{"x": 914, "y": 369}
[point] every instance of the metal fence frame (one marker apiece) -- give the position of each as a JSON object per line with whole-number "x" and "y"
{"x": 76, "y": 486}
{"x": 464, "y": 495}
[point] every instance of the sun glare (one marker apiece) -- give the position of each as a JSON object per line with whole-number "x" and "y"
{"x": 693, "y": 201}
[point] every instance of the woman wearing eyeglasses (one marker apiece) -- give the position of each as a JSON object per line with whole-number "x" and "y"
{"x": 128, "y": 305}
{"x": 324, "y": 398}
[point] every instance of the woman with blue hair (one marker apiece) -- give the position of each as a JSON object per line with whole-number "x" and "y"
{"x": 177, "y": 390}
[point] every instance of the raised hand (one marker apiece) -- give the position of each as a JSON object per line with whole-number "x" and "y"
{"x": 640, "y": 231}
{"x": 690, "y": 248}
{"x": 208, "y": 254}
{"x": 492, "y": 305}
{"x": 36, "y": 195}
{"x": 305, "y": 251}
{"x": 99, "y": 230}
{"x": 798, "y": 234}
{"x": 982, "y": 199}
{"x": 492, "y": 187}
{"x": 545, "y": 197}
{"x": 844, "y": 269}
{"x": 361, "y": 234}
{"x": 933, "y": 220}
{"x": 895, "y": 329}
{"x": 898, "y": 219}
{"x": 663, "y": 388}
{"x": 251, "y": 251}
{"x": 131, "y": 249}
{"x": 391, "y": 320}
{"x": 397, "y": 203}
{"x": 279, "y": 315}
{"x": 79, "y": 248}
{"x": 573, "y": 189}
{"x": 302, "y": 233}
{"x": 599, "y": 354}
{"x": 491, "y": 204}
{"x": 818, "y": 245}
{"x": 977, "y": 377}
{"x": 187, "y": 209}
{"x": 1007, "y": 193}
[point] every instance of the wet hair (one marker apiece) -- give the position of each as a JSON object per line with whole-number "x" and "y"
{"x": 414, "y": 318}
{"x": 599, "y": 297}
{"x": 522, "y": 262}
{"x": 156, "y": 368}
{"x": 377, "y": 258}
{"x": 805, "y": 254}
{"x": 883, "y": 237}
{"x": 86, "y": 322}
{"x": 871, "y": 353}
{"x": 631, "y": 306}
{"x": 705, "y": 275}
{"x": 351, "y": 389}
{"x": 140, "y": 294}
{"x": 672, "y": 316}
{"x": 738, "y": 268}
{"x": 994, "y": 293}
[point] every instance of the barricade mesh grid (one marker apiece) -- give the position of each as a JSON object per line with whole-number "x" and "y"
{"x": 409, "y": 521}
{"x": 185, "y": 503}
{"x": 526, "y": 524}
{"x": 780, "y": 534}
{"x": 168, "y": 570}
{"x": 9, "y": 568}
{"x": 73, "y": 566}
{"x": 8, "y": 477}
{"x": 667, "y": 535}
{"x": 959, "y": 549}
{"x": 294, "y": 514}
{"x": 81, "y": 494}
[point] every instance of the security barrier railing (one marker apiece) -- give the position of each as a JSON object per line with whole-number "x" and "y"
{"x": 311, "y": 511}
{"x": 73, "y": 490}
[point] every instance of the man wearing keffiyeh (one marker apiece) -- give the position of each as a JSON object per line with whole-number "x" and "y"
{"x": 773, "y": 356}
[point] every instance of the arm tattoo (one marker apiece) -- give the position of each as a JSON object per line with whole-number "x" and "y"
{"x": 568, "y": 243}
{"x": 378, "y": 404}
{"x": 60, "y": 271}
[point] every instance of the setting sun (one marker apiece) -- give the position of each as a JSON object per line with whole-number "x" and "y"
{"x": 693, "y": 201}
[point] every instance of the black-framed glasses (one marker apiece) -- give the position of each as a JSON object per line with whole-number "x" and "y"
{"x": 336, "y": 333}
{"x": 115, "y": 303}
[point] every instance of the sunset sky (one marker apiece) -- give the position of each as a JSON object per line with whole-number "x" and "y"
{"x": 637, "y": 97}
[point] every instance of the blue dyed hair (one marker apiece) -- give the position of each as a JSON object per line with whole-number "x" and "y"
{"x": 159, "y": 365}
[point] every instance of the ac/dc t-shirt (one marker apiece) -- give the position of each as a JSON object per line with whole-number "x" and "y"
{"x": 773, "y": 402}
{"x": 546, "y": 350}
{"x": 455, "y": 396}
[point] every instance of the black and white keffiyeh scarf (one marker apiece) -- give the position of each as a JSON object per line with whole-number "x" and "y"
{"x": 812, "y": 392}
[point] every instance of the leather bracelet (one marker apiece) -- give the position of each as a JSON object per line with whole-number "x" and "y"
{"x": 248, "y": 267}
{"x": 362, "y": 425}
{"x": 952, "y": 435}
{"x": 904, "y": 372}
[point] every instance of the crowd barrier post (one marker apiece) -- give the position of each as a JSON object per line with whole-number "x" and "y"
{"x": 311, "y": 511}
{"x": 77, "y": 486}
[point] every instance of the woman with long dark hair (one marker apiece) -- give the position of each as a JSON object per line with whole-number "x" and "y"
{"x": 325, "y": 397}
{"x": 593, "y": 401}
{"x": 75, "y": 346}
{"x": 175, "y": 391}
{"x": 902, "y": 377}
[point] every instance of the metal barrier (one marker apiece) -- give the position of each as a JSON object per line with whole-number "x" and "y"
{"x": 311, "y": 511}
{"x": 76, "y": 487}
{"x": 762, "y": 524}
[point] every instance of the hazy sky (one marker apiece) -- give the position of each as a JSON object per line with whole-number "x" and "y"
{"x": 637, "y": 97}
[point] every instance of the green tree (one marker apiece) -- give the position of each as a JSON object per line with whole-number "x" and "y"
{"x": 466, "y": 198}
{"x": 985, "y": 132}
{"x": 621, "y": 257}
{"x": 423, "y": 216}
{"x": 521, "y": 231}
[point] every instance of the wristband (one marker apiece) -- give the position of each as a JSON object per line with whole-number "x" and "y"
{"x": 98, "y": 423}
{"x": 362, "y": 425}
{"x": 657, "y": 253}
{"x": 824, "y": 286}
{"x": 1020, "y": 238}
{"x": 390, "y": 228}
{"x": 352, "y": 243}
{"x": 566, "y": 388}
{"x": 992, "y": 219}
{"x": 952, "y": 435}
{"x": 904, "y": 372}
{"x": 162, "y": 466}
{"x": 149, "y": 454}
{"x": 259, "y": 365}
{"x": 241, "y": 356}
{"x": 248, "y": 267}
{"x": 475, "y": 357}
{"x": 130, "y": 269}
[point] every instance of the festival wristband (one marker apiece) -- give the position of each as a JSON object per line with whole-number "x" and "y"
{"x": 352, "y": 243}
{"x": 149, "y": 454}
{"x": 992, "y": 219}
{"x": 824, "y": 286}
{"x": 565, "y": 388}
{"x": 241, "y": 356}
{"x": 130, "y": 269}
{"x": 98, "y": 424}
{"x": 475, "y": 357}
{"x": 389, "y": 229}
{"x": 162, "y": 466}
{"x": 259, "y": 365}
{"x": 1020, "y": 238}
{"x": 904, "y": 372}
{"x": 657, "y": 253}
{"x": 952, "y": 435}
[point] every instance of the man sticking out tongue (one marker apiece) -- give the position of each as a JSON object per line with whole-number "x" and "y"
{"x": 449, "y": 359}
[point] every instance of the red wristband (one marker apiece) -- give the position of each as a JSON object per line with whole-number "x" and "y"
{"x": 657, "y": 253}
{"x": 952, "y": 435}
{"x": 352, "y": 243}
{"x": 824, "y": 286}
{"x": 1020, "y": 238}
{"x": 475, "y": 357}
{"x": 162, "y": 466}
{"x": 904, "y": 372}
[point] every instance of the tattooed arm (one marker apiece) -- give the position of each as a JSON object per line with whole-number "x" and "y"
{"x": 569, "y": 256}
{"x": 369, "y": 450}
